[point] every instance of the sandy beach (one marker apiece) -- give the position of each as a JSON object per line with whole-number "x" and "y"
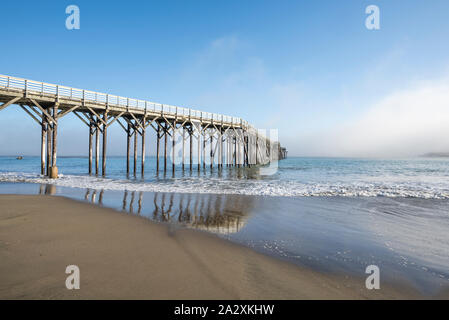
{"x": 127, "y": 257}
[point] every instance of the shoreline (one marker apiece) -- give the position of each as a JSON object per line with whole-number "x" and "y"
{"x": 124, "y": 256}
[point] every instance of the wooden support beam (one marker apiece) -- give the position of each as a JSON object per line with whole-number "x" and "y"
{"x": 231, "y": 152}
{"x": 133, "y": 125}
{"x": 163, "y": 129}
{"x": 135, "y": 152}
{"x": 36, "y": 112}
{"x": 81, "y": 118}
{"x": 235, "y": 151}
{"x": 222, "y": 156}
{"x": 204, "y": 129}
{"x": 241, "y": 146}
{"x": 97, "y": 145}
{"x": 246, "y": 151}
{"x": 241, "y": 152}
{"x": 105, "y": 138}
{"x": 143, "y": 149}
{"x": 88, "y": 116}
{"x": 43, "y": 143}
{"x": 150, "y": 123}
{"x": 165, "y": 147}
{"x": 49, "y": 141}
{"x": 246, "y": 140}
{"x": 225, "y": 156}
{"x": 238, "y": 150}
{"x": 30, "y": 114}
{"x": 55, "y": 136}
{"x": 115, "y": 118}
{"x": 91, "y": 133}
{"x": 199, "y": 144}
{"x": 242, "y": 149}
{"x": 227, "y": 150}
{"x": 254, "y": 149}
{"x": 157, "y": 148}
{"x": 136, "y": 121}
{"x": 10, "y": 102}
{"x": 220, "y": 149}
{"x": 96, "y": 114}
{"x": 211, "y": 150}
{"x": 169, "y": 123}
{"x": 49, "y": 117}
{"x": 63, "y": 113}
{"x": 174, "y": 147}
{"x": 257, "y": 148}
{"x": 121, "y": 125}
{"x": 155, "y": 128}
{"x": 128, "y": 145}
{"x": 250, "y": 149}
{"x": 216, "y": 147}
{"x": 191, "y": 147}
{"x": 183, "y": 146}
{"x": 204, "y": 150}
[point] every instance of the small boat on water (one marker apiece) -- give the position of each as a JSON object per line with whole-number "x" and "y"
{"x": 19, "y": 158}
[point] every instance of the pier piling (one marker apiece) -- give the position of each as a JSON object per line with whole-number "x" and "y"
{"x": 43, "y": 144}
{"x": 135, "y": 152}
{"x": 143, "y": 149}
{"x": 91, "y": 133}
{"x": 105, "y": 138}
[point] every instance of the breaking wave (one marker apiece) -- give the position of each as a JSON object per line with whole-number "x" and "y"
{"x": 273, "y": 187}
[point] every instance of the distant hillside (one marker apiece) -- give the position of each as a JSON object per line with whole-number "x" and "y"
{"x": 436, "y": 155}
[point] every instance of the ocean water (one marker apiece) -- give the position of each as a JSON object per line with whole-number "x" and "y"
{"x": 295, "y": 177}
{"x": 334, "y": 215}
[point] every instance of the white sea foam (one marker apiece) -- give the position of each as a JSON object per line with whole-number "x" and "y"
{"x": 288, "y": 188}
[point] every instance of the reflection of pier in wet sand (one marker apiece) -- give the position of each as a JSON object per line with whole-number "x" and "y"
{"x": 217, "y": 213}
{"x": 211, "y": 212}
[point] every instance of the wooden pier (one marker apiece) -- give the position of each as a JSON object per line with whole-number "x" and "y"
{"x": 230, "y": 141}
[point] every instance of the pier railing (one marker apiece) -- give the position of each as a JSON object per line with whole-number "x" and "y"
{"x": 74, "y": 94}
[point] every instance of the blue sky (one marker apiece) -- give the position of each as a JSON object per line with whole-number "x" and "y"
{"x": 308, "y": 68}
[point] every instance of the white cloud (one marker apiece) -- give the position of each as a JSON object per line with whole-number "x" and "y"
{"x": 405, "y": 123}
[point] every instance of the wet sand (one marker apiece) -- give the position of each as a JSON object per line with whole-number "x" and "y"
{"x": 128, "y": 257}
